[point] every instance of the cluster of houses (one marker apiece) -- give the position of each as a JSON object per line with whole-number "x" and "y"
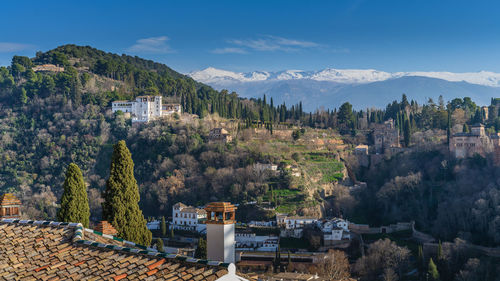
{"x": 145, "y": 108}
{"x": 189, "y": 218}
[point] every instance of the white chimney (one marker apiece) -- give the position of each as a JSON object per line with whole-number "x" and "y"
{"x": 220, "y": 231}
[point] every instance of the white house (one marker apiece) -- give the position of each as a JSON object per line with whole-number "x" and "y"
{"x": 262, "y": 224}
{"x": 188, "y": 217}
{"x": 334, "y": 230}
{"x": 294, "y": 226}
{"x": 153, "y": 225}
{"x": 250, "y": 241}
{"x": 263, "y": 167}
{"x": 299, "y": 222}
{"x": 145, "y": 108}
{"x": 170, "y": 108}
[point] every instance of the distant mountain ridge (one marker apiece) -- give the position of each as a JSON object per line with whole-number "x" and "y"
{"x": 363, "y": 88}
{"x": 349, "y": 76}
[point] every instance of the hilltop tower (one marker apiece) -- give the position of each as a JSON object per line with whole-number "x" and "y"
{"x": 220, "y": 231}
{"x": 9, "y": 206}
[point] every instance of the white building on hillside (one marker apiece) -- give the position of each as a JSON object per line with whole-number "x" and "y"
{"x": 294, "y": 226}
{"x": 145, "y": 108}
{"x": 187, "y": 217}
{"x": 170, "y": 108}
{"x": 250, "y": 241}
{"x": 334, "y": 230}
{"x": 299, "y": 222}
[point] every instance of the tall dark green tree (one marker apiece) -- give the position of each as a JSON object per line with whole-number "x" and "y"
{"x": 433, "y": 271}
{"x": 121, "y": 198}
{"x": 407, "y": 132}
{"x": 201, "y": 250}
{"x": 74, "y": 201}
{"x": 346, "y": 118}
{"x": 163, "y": 227}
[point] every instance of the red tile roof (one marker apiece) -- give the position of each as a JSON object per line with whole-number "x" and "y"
{"x": 32, "y": 250}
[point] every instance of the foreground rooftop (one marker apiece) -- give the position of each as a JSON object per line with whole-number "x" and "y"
{"x": 34, "y": 250}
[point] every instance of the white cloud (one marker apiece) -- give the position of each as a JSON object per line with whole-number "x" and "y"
{"x": 229, "y": 50}
{"x": 156, "y": 45}
{"x": 9, "y": 47}
{"x": 274, "y": 43}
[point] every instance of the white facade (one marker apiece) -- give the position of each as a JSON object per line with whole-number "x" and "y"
{"x": 153, "y": 225}
{"x": 168, "y": 109}
{"x": 334, "y": 234}
{"x": 145, "y": 108}
{"x": 187, "y": 217}
{"x": 298, "y": 222}
{"x": 123, "y": 106}
{"x": 262, "y": 167}
{"x": 262, "y": 224}
{"x": 334, "y": 230}
{"x": 263, "y": 243}
{"x": 221, "y": 242}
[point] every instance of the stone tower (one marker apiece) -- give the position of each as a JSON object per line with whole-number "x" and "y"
{"x": 220, "y": 231}
{"x": 9, "y": 206}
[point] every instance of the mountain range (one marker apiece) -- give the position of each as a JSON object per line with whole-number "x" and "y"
{"x": 329, "y": 88}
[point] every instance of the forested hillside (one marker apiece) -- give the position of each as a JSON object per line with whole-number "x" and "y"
{"x": 49, "y": 119}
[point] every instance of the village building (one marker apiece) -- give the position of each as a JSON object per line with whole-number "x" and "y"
{"x": 249, "y": 241}
{"x": 334, "y": 231}
{"x": 188, "y": 218}
{"x": 386, "y": 137}
{"x": 265, "y": 167}
{"x": 219, "y": 135}
{"x": 145, "y": 108}
{"x": 464, "y": 145}
{"x": 171, "y": 108}
{"x": 9, "y": 206}
{"x": 294, "y": 226}
{"x": 262, "y": 224}
{"x": 291, "y": 276}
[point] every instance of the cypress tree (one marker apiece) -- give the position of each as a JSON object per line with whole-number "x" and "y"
{"x": 432, "y": 270}
{"x": 163, "y": 227}
{"x": 420, "y": 260}
{"x": 74, "y": 201}
{"x": 121, "y": 198}
{"x": 407, "y": 132}
{"x": 201, "y": 250}
{"x": 440, "y": 251}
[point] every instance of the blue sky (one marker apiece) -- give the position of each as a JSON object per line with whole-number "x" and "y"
{"x": 457, "y": 36}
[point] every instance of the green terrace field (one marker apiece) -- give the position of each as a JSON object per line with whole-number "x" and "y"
{"x": 316, "y": 164}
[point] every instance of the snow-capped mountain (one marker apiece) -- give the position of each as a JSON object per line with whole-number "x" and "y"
{"x": 347, "y": 76}
{"x": 363, "y": 88}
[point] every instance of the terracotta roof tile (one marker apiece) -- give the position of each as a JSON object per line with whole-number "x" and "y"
{"x": 32, "y": 250}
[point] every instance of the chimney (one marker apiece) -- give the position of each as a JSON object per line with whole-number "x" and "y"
{"x": 9, "y": 206}
{"x": 106, "y": 228}
{"x": 220, "y": 231}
